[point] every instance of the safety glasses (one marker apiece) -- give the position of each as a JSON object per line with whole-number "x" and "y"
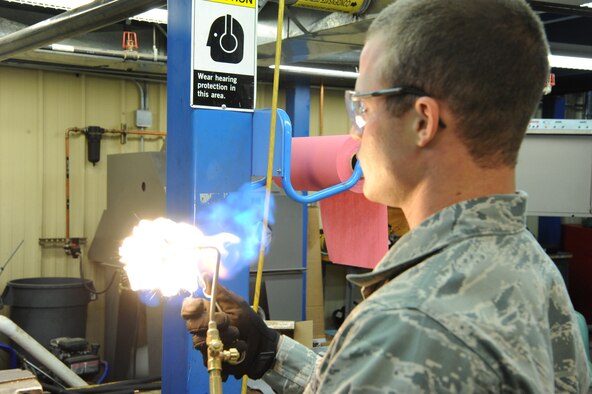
{"x": 355, "y": 105}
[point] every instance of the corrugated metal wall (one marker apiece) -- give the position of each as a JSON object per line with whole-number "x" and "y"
{"x": 36, "y": 109}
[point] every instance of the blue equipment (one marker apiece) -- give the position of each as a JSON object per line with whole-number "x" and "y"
{"x": 210, "y": 153}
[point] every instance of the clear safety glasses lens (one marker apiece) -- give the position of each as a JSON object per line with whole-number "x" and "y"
{"x": 355, "y": 111}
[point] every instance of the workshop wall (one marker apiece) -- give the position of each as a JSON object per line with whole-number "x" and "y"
{"x": 332, "y": 113}
{"x": 334, "y": 116}
{"x": 36, "y": 109}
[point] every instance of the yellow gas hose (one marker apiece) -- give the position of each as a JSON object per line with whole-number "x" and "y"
{"x": 274, "y": 100}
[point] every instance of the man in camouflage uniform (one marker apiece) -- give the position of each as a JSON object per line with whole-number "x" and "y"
{"x": 467, "y": 301}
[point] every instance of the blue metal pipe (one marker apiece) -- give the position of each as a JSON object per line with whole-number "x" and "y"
{"x": 310, "y": 198}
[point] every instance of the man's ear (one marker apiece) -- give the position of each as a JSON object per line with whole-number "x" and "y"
{"x": 428, "y": 116}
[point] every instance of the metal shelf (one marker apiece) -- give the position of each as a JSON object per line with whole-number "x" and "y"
{"x": 560, "y": 126}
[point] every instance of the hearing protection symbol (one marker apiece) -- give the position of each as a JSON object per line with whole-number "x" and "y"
{"x": 226, "y": 40}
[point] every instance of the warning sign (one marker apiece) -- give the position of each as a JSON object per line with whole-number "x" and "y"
{"x": 242, "y": 3}
{"x": 220, "y": 90}
{"x": 224, "y": 54}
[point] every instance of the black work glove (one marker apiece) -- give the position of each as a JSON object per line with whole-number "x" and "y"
{"x": 239, "y": 326}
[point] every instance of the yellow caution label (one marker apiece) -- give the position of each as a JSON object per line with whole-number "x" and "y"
{"x": 348, "y": 6}
{"x": 240, "y": 3}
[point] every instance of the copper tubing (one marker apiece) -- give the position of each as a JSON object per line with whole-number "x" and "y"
{"x": 132, "y": 132}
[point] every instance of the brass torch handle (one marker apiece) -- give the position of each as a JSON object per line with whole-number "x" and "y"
{"x": 215, "y": 348}
{"x": 215, "y": 345}
{"x": 215, "y": 382}
{"x": 216, "y": 352}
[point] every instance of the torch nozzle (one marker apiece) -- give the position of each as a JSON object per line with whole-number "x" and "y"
{"x": 214, "y": 287}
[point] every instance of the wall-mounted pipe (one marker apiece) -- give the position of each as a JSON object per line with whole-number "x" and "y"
{"x": 143, "y": 90}
{"x": 152, "y": 133}
{"x": 84, "y": 19}
{"x": 111, "y": 53}
{"x": 30, "y": 345}
{"x": 143, "y": 94}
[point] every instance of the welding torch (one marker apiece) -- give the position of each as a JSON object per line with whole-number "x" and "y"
{"x": 216, "y": 352}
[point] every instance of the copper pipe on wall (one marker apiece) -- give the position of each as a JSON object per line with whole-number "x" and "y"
{"x": 124, "y": 133}
{"x": 134, "y": 132}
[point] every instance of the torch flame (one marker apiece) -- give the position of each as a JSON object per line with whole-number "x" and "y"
{"x": 168, "y": 256}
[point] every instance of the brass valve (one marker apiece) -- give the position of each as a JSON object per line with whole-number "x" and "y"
{"x": 217, "y": 355}
{"x": 231, "y": 356}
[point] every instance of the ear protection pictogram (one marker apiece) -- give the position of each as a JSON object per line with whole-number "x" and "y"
{"x": 226, "y": 40}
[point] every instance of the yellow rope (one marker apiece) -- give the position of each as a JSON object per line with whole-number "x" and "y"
{"x": 274, "y": 99}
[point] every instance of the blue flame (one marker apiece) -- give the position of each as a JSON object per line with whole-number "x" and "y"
{"x": 240, "y": 213}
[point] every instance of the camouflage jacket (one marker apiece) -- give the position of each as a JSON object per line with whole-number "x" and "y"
{"x": 466, "y": 302}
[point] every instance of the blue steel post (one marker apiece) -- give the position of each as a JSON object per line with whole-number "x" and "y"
{"x": 208, "y": 154}
{"x": 298, "y": 110}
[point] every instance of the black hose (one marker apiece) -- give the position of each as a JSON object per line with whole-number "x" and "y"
{"x": 92, "y": 290}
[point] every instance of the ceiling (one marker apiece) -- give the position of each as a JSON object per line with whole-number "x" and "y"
{"x": 311, "y": 38}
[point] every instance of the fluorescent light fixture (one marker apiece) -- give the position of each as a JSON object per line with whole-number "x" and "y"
{"x": 323, "y": 72}
{"x": 572, "y": 62}
{"x": 586, "y": 5}
{"x": 156, "y": 15}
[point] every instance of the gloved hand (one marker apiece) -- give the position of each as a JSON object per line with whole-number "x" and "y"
{"x": 239, "y": 326}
